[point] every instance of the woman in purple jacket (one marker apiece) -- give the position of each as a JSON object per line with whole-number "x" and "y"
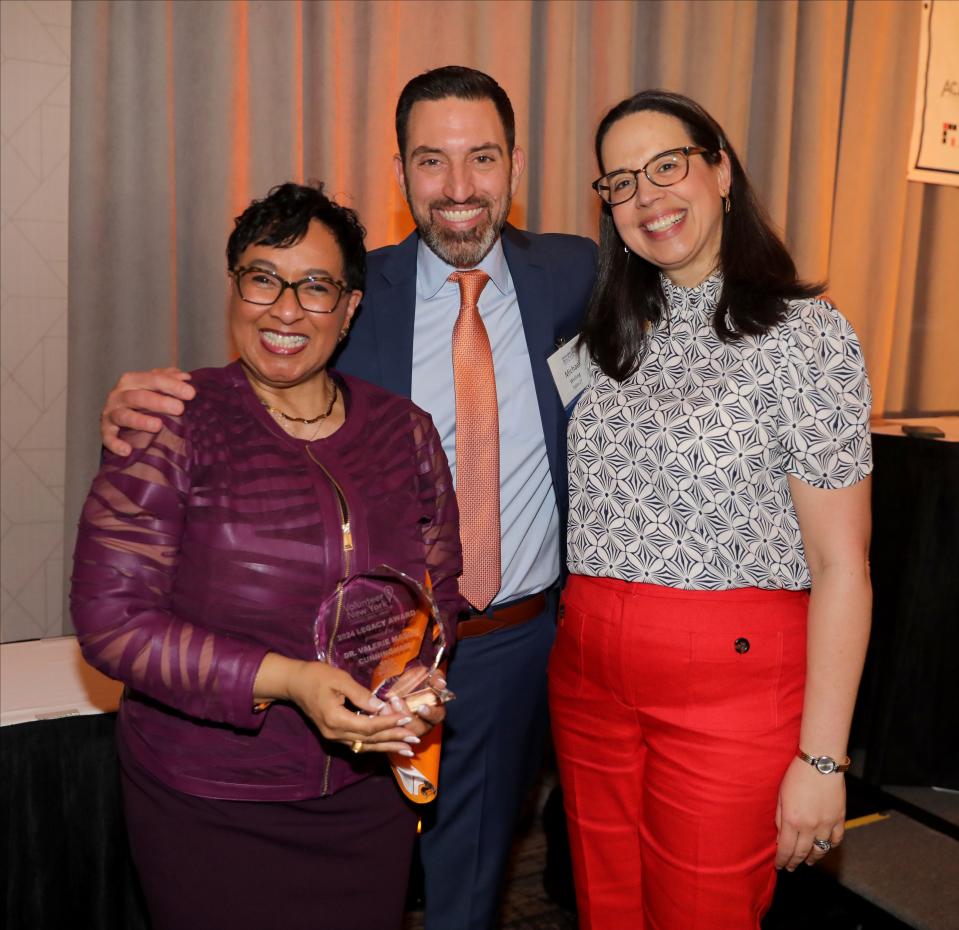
{"x": 255, "y": 783}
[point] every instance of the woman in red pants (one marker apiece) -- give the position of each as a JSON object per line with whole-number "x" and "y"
{"x": 714, "y": 625}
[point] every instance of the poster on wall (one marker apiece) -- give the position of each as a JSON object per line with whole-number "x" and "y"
{"x": 934, "y": 152}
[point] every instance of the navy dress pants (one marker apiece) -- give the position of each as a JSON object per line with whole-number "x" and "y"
{"x": 492, "y": 749}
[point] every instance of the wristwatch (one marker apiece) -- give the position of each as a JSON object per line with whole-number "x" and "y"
{"x": 825, "y": 764}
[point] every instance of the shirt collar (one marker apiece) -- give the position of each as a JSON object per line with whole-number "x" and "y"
{"x": 432, "y": 272}
{"x": 701, "y": 299}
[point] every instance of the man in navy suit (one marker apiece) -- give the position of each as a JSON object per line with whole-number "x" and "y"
{"x": 459, "y": 168}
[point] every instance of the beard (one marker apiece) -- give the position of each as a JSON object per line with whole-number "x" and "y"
{"x": 465, "y": 248}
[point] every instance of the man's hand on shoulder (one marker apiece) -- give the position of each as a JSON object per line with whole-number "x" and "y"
{"x": 138, "y": 394}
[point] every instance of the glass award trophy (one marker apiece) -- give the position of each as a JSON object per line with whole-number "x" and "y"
{"x": 383, "y": 628}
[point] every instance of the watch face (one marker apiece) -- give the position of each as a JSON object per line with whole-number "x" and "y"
{"x": 826, "y": 765}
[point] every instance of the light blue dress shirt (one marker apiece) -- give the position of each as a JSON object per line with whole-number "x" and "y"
{"x": 529, "y": 520}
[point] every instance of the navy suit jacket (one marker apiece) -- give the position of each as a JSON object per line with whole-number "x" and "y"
{"x": 552, "y": 273}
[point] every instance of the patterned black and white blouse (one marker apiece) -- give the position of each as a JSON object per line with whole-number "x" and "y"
{"x": 678, "y": 475}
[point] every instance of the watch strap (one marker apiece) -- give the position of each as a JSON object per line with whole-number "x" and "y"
{"x": 825, "y": 764}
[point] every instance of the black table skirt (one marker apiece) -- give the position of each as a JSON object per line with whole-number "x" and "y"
{"x": 907, "y": 708}
{"x": 67, "y": 862}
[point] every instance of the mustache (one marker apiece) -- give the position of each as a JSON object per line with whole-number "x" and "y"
{"x": 471, "y": 204}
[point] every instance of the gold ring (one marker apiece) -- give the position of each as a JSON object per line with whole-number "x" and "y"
{"x": 357, "y": 746}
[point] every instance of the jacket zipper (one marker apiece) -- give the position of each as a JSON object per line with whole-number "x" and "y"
{"x": 347, "y": 543}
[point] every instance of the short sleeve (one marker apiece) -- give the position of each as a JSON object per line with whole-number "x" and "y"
{"x": 824, "y": 398}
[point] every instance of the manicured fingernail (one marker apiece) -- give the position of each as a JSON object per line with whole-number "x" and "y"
{"x": 411, "y": 739}
{"x": 404, "y": 721}
{"x": 374, "y": 703}
{"x": 397, "y": 704}
{"x": 423, "y": 710}
{"x": 407, "y": 752}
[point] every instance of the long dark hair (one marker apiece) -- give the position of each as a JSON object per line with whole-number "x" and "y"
{"x": 759, "y": 275}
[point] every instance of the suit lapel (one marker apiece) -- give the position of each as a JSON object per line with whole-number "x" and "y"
{"x": 391, "y": 296}
{"x": 533, "y": 295}
{"x": 391, "y": 293}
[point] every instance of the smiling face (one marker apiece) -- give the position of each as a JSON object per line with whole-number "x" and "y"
{"x": 458, "y": 176}
{"x": 282, "y": 346}
{"x": 679, "y": 228}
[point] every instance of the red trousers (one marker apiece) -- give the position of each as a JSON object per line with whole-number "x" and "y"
{"x": 675, "y": 715}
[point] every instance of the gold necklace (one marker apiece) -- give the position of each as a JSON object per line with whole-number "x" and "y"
{"x": 306, "y": 421}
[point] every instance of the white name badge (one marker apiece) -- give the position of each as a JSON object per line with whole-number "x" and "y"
{"x": 569, "y": 365}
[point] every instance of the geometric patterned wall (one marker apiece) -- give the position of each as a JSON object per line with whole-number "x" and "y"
{"x": 34, "y": 162}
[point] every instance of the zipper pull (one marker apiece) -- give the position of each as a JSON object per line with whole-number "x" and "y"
{"x": 347, "y": 537}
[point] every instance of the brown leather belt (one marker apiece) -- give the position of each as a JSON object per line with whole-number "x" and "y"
{"x": 502, "y": 617}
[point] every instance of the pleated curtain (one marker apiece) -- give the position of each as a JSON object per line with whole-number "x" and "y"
{"x": 183, "y": 110}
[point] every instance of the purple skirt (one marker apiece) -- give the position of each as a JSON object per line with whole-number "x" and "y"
{"x": 335, "y": 863}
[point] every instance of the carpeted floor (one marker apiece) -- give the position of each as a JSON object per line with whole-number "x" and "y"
{"x": 908, "y": 869}
{"x": 526, "y": 906}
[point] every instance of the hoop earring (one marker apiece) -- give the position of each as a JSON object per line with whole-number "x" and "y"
{"x": 727, "y": 203}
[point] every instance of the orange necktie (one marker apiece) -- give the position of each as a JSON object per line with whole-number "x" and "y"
{"x": 477, "y": 445}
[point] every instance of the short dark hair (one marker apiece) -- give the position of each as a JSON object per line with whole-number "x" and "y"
{"x": 759, "y": 275}
{"x": 453, "y": 81}
{"x": 283, "y": 217}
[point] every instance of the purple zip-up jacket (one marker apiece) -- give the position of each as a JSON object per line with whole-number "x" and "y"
{"x": 215, "y": 542}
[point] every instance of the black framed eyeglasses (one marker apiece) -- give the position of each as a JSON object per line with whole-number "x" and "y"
{"x": 314, "y": 294}
{"x": 663, "y": 170}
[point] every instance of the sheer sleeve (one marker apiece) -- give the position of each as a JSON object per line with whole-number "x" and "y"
{"x": 125, "y": 566}
{"x": 444, "y": 559}
{"x": 824, "y": 398}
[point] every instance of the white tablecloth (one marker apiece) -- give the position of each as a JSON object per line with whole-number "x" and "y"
{"x": 48, "y": 678}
